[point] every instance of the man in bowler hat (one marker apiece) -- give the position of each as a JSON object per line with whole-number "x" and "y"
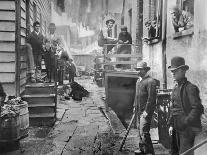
{"x": 186, "y": 109}
{"x": 145, "y": 103}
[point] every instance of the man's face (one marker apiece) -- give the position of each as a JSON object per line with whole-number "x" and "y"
{"x": 52, "y": 30}
{"x": 124, "y": 32}
{"x": 110, "y": 24}
{"x": 178, "y": 74}
{"x": 141, "y": 72}
{"x": 37, "y": 28}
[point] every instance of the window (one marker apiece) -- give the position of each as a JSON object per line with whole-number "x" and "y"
{"x": 151, "y": 21}
{"x": 182, "y": 17}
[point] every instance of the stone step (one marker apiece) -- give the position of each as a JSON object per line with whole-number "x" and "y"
{"x": 39, "y": 88}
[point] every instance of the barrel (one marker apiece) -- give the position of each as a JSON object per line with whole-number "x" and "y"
{"x": 24, "y": 119}
{"x": 9, "y": 129}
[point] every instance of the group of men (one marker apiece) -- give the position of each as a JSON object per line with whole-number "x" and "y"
{"x": 53, "y": 51}
{"x": 185, "y": 110}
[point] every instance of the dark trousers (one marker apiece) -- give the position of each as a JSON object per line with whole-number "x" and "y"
{"x": 184, "y": 140}
{"x": 37, "y": 62}
{"x": 71, "y": 77}
{"x": 50, "y": 64}
{"x": 145, "y": 143}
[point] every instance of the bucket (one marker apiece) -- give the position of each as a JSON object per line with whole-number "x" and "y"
{"x": 24, "y": 119}
{"x": 9, "y": 129}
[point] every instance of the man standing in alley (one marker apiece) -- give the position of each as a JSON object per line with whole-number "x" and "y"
{"x": 54, "y": 47}
{"x": 36, "y": 40}
{"x": 186, "y": 108}
{"x": 71, "y": 70}
{"x": 145, "y": 103}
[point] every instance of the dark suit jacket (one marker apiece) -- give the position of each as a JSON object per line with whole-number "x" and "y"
{"x": 36, "y": 42}
{"x": 191, "y": 104}
{"x": 146, "y": 94}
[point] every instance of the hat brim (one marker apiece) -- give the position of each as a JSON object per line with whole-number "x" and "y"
{"x": 175, "y": 68}
{"x": 113, "y": 21}
{"x": 138, "y": 68}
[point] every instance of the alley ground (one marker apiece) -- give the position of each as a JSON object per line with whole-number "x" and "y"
{"x": 83, "y": 127}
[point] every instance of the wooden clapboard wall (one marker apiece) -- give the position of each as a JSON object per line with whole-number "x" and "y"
{"x": 7, "y": 45}
{"x": 16, "y": 19}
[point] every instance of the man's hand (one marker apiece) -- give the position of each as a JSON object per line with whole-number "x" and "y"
{"x": 144, "y": 114}
{"x": 170, "y": 130}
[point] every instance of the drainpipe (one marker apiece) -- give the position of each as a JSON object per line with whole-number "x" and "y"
{"x": 164, "y": 27}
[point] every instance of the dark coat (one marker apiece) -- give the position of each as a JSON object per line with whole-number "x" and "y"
{"x": 146, "y": 94}
{"x": 36, "y": 42}
{"x": 192, "y": 107}
{"x": 70, "y": 69}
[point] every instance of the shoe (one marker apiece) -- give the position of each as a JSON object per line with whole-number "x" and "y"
{"x": 138, "y": 152}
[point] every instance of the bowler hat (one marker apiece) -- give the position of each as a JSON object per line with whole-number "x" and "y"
{"x": 178, "y": 62}
{"x": 142, "y": 65}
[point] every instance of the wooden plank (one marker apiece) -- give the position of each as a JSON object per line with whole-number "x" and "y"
{"x": 23, "y": 5}
{"x": 23, "y": 65}
{"x": 7, "y": 5}
{"x": 7, "y": 36}
{"x": 7, "y": 15}
{"x": 7, "y": 77}
{"x": 23, "y": 32}
{"x": 7, "y": 26}
{"x": 10, "y": 47}
{"x": 7, "y": 67}
{"x": 123, "y": 55}
{"x": 23, "y": 81}
{"x": 23, "y": 14}
{"x": 23, "y": 41}
{"x": 119, "y": 62}
{"x": 7, "y": 57}
{"x": 23, "y": 23}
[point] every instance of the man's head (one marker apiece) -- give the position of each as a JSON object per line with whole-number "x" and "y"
{"x": 142, "y": 69}
{"x": 52, "y": 28}
{"x": 110, "y": 23}
{"x": 148, "y": 24}
{"x": 36, "y": 26}
{"x": 175, "y": 12}
{"x": 123, "y": 29}
{"x": 178, "y": 68}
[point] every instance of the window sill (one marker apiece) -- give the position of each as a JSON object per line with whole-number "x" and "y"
{"x": 182, "y": 34}
{"x": 151, "y": 40}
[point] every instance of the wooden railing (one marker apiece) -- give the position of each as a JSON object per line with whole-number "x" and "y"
{"x": 111, "y": 58}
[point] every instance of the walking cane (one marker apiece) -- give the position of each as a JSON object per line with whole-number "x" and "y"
{"x": 127, "y": 132}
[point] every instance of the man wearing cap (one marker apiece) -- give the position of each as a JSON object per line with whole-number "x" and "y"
{"x": 108, "y": 34}
{"x": 186, "y": 108}
{"x": 36, "y": 40}
{"x": 71, "y": 70}
{"x": 145, "y": 103}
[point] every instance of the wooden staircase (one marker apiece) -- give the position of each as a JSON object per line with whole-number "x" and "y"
{"x": 42, "y": 99}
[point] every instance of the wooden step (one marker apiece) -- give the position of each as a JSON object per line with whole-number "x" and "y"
{"x": 44, "y": 115}
{"x": 41, "y": 110}
{"x": 35, "y": 99}
{"x": 39, "y": 88}
{"x": 42, "y": 105}
{"x": 46, "y": 120}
